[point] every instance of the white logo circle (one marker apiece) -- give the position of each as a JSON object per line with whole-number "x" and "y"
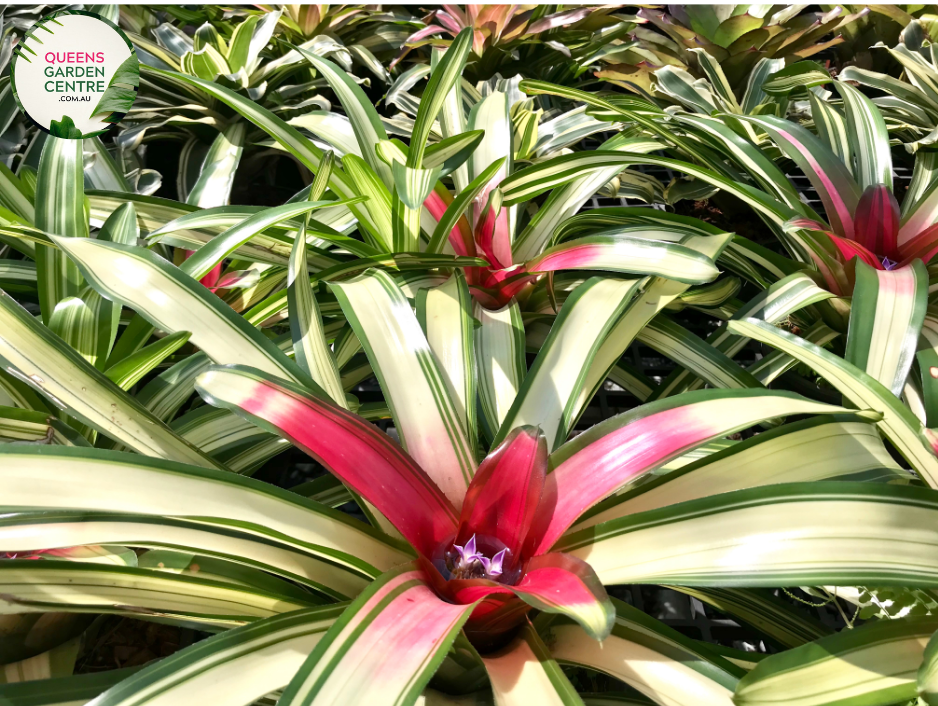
{"x": 75, "y": 74}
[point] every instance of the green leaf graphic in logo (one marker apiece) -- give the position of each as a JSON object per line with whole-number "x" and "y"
{"x": 121, "y": 91}
{"x": 65, "y": 128}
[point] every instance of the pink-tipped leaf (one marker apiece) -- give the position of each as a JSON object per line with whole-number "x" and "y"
{"x": 597, "y": 463}
{"x": 876, "y": 226}
{"x": 361, "y": 455}
{"x": 506, "y": 490}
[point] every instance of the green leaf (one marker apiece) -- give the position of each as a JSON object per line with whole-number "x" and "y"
{"x": 715, "y": 541}
{"x": 65, "y": 129}
{"x": 51, "y": 366}
{"x": 172, "y": 301}
{"x": 199, "y": 671}
{"x": 899, "y": 424}
{"x": 414, "y": 386}
{"x": 872, "y": 664}
{"x": 549, "y": 392}
{"x": 886, "y": 316}
{"x": 120, "y": 94}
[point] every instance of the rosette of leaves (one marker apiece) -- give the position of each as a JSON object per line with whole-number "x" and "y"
{"x": 170, "y": 528}
{"x": 908, "y": 102}
{"x": 739, "y": 36}
{"x": 242, "y": 50}
{"x": 550, "y": 42}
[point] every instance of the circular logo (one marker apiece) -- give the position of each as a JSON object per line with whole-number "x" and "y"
{"x": 75, "y": 74}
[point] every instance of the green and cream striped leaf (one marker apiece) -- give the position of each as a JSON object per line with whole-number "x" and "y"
{"x": 76, "y": 323}
{"x": 793, "y": 534}
{"x": 760, "y": 608}
{"x": 103, "y": 173}
{"x": 500, "y": 357}
{"x": 457, "y": 209}
{"x": 414, "y": 385}
{"x": 366, "y": 122}
{"x": 230, "y": 669}
{"x": 694, "y": 354}
{"x": 565, "y": 201}
{"x": 770, "y": 367}
{"x": 831, "y": 127}
{"x": 414, "y": 628}
{"x": 525, "y": 670}
{"x": 818, "y": 448}
{"x": 63, "y": 529}
{"x": 618, "y": 252}
{"x": 172, "y": 301}
{"x": 60, "y": 209}
{"x": 291, "y": 139}
{"x": 223, "y": 245}
{"x": 873, "y": 664}
{"x": 166, "y": 393}
{"x": 217, "y": 173}
{"x": 656, "y": 660}
{"x": 51, "y": 366}
{"x": 445, "y": 315}
{"x": 22, "y": 427}
{"x": 276, "y": 303}
{"x": 655, "y": 297}
{"x": 927, "y": 679}
{"x": 774, "y": 305}
{"x": 899, "y": 424}
{"x": 754, "y": 96}
{"x": 131, "y": 369}
{"x": 548, "y": 394}
{"x": 310, "y": 350}
{"x": 446, "y": 74}
{"x": 14, "y": 196}
{"x": 534, "y": 180}
{"x": 44, "y": 586}
{"x": 869, "y": 140}
{"x": 108, "y": 481}
{"x": 886, "y": 316}
{"x": 240, "y": 445}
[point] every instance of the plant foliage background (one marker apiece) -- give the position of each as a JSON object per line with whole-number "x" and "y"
{"x": 477, "y": 355}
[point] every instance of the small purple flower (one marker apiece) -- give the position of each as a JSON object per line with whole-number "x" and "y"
{"x": 888, "y": 264}
{"x": 470, "y": 558}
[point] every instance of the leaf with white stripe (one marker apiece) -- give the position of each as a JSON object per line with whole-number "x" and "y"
{"x": 217, "y": 173}
{"x": 876, "y": 663}
{"x": 230, "y": 669}
{"x": 173, "y": 301}
{"x": 46, "y": 586}
{"x": 648, "y": 656}
{"x": 899, "y": 424}
{"x": 886, "y": 316}
{"x": 414, "y": 386}
{"x": 869, "y": 140}
{"x": 384, "y": 648}
{"x": 51, "y": 366}
{"x": 818, "y": 448}
{"x": 445, "y": 314}
{"x": 109, "y": 481}
{"x": 548, "y": 395}
{"x": 525, "y": 670}
{"x": 500, "y": 356}
{"x": 60, "y": 209}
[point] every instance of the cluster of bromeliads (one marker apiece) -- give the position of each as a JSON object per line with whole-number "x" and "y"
{"x": 157, "y": 352}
